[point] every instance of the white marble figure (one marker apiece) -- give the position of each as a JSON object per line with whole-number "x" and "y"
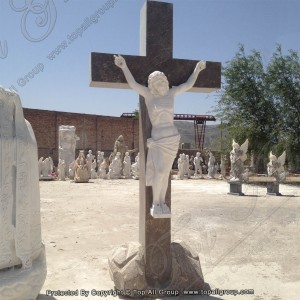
{"x": 164, "y": 141}
{"x": 135, "y": 167}
{"x": 115, "y": 167}
{"x": 102, "y": 169}
{"x": 93, "y": 169}
{"x": 72, "y": 169}
{"x": 90, "y": 158}
{"x": 198, "y": 165}
{"x": 127, "y": 166}
{"x": 100, "y": 158}
{"x": 186, "y": 166}
{"x": 223, "y": 167}
{"x": 61, "y": 170}
{"x": 275, "y": 167}
{"x": 211, "y": 166}
{"x": 45, "y": 168}
{"x": 67, "y": 144}
{"x": 238, "y": 155}
{"x": 81, "y": 168}
{"x": 22, "y": 255}
{"x": 180, "y": 162}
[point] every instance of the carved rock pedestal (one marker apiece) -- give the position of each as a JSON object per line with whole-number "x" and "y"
{"x": 17, "y": 283}
{"x": 235, "y": 188}
{"x": 273, "y": 188}
{"x": 127, "y": 270}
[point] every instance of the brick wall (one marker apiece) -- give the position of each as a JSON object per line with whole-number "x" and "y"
{"x": 95, "y": 132}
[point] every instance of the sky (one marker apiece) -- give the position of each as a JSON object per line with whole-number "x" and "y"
{"x": 31, "y": 31}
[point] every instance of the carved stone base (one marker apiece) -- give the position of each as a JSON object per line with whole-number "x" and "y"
{"x": 46, "y": 178}
{"x": 17, "y": 283}
{"x": 273, "y": 189}
{"x": 127, "y": 270}
{"x": 235, "y": 188}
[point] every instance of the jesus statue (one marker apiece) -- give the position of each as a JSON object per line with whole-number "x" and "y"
{"x": 164, "y": 141}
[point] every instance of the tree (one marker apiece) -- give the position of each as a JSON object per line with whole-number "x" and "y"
{"x": 283, "y": 84}
{"x": 244, "y": 107}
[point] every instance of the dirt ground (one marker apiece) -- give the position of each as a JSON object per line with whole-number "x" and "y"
{"x": 244, "y": 242}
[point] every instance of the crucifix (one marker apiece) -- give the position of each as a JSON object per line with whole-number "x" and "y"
{"x": 156, "y": 53}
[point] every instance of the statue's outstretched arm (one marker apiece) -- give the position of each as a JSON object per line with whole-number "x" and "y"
{"x": 121, "y": 63}
{"x": 177, "y": 90}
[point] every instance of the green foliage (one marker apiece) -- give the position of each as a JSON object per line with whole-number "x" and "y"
{"x": 262, "y": 103}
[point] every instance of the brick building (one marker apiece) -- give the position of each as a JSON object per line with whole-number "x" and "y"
{"x": 95, "y": 132}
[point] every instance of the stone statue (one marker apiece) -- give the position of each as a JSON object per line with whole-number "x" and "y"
{"x": 93, "y": 169}
{"x": 276, "y": 166}
{"x": 45, "y": 168}
{"x": 223, "y": 167}
{"x": 81, "y": 168}
{"x": 115, "y": 167}
{"x": 61, "y": 170}
{"x": 164, "y": 141}
{"x": 198, "y": 167}
{"x": 67, "y": 144}
{"x": 135, "y": 167}
{"x": 90, "y": 158}
{"x": 22, "y": 254}
{"x": 127, "y": 165}
{"x": 100, "y": 158}
{"x": 72, "y": 169}
{"x": 238, "y": 155}
{"x": 102, "y": 169}
{"x": 211, "y": 166}
{"x": 186, "y": 166}
{"x": 180, "y": 163}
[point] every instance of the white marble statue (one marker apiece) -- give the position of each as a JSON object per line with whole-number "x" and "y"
{"x": 211, "y": 168}
{"x": 127, "y": 166}
{"x": 186, "y": 166}
{"x": 100, "y": 158}
{"x": 61, "y": 170}
{"x": 72, "y": 169}
{"x": 22, "y": 254}
{"x": 81, "y": 173}
{"x": 238, "y": 155}
{"x": 180, "y": 163}
{"x": 90, "y": 158}
{"x": 45, "y": 167}
{"x": 198, "y": 165}
{"x": 223, "y": 167}
{"x": 93, "y": 169}
{"x": 67, "y": 144}
{"x": 164, "y": 141}
{"x": 115, "y": 167}
{"x": 102, "y": 169}
{"x": 135, "y": 167}
{"x": 275, "y": 166}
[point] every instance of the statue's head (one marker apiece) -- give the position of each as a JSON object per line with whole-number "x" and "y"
{"x": 272, "y": 156}
{"x": 121, "y": 138}
{"x": 158, "y": 83}
{"x": 235, "y": 145}
{"x": 198, "y": 154}
{"x": 81, "y": 153}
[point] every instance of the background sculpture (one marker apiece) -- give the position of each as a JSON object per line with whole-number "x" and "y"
{"x": 67, "y": 144}
{"x": 276, "y": 166}
{"x": 238, "y": 155}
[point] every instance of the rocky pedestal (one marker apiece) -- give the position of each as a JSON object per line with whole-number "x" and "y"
{"x": 127, "y": 270}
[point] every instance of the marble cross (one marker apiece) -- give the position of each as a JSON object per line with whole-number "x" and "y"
{"x": 156, "y": 53}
